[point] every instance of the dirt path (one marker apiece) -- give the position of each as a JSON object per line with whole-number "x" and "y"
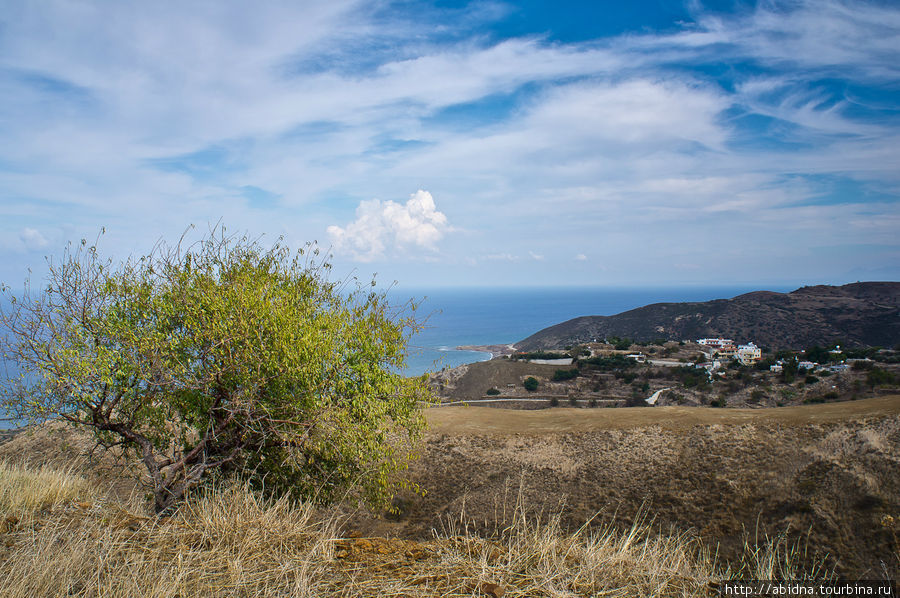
{"x": 486, "y": 421}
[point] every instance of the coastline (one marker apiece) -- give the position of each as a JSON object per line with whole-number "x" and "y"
{"x": 494, "y": 350}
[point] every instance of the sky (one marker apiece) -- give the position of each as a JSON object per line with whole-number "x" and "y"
{"x": 532, "y": 143}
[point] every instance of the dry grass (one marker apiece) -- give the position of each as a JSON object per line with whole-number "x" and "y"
{"x": 226, "y": 543}
{"x": 230, "y": 542}
{"x": 24, "y": 490}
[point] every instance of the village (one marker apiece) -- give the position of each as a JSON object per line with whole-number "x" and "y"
{"x": 716, "y": 372}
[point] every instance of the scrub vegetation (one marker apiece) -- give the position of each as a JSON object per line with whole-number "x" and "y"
{"x": 221, "y": 356}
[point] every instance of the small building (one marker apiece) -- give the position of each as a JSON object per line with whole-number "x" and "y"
{"x": 808, "y": 365}
{"x": 723, "y": 346}
{"x": 716, "y": 343}
{"x": 748, "y": 354}
{"x": 638, "y": 357}
{"x": 776, "y": 368}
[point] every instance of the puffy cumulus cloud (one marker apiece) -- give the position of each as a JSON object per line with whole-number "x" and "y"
{"x": 580, "y": 257}
{"x": 32, "y": 239}
{"x": 381, "y": 226}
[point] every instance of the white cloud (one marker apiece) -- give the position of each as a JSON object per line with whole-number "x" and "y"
{"x": 536, "y": 256}
{"x": 386, "y": 225}
{"x": 169, "y": 113}
{"x": 32, "y": 239}
{"x": 581, "y": 257}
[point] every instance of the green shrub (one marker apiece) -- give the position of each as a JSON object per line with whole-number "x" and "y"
{"x": 880, "y": 377}
{"x": 610, "y": 363}
{"x": 560, "y": 375}
{"x": 221, "y": 355}
{"x": 531, "y": 384}
{"x": 492, "y": 392}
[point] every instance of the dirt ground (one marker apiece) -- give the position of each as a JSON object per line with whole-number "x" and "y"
{"x": 827, "y": 476}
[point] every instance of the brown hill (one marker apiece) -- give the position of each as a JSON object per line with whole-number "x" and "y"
{"x": 826, "y": 475}
{"x": 862, "y": 313}
{"x": 823, "y": 475}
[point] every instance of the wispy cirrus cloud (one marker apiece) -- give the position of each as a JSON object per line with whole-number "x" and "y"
{"x": 146, "y": 117}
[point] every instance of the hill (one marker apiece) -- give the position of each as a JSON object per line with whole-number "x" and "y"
{"x": 824, "y": 475}
{"x": 625, "y": 502}
{"x": 862, "y": 313}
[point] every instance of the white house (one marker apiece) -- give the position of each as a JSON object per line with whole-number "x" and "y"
{"x": 748, "y": 354}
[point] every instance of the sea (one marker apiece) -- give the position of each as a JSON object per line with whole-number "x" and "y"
{"x": 454, "y": 317}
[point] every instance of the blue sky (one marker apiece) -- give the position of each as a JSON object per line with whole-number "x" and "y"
{"x": 464, "y": 143}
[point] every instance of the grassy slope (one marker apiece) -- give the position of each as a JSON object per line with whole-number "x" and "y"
{"x": 829, "y": 471}
{"x": 825, "y": 473}
{"x": 228, "y": 542}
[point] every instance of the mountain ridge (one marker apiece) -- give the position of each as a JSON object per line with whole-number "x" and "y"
{"x": 860, "y": 313}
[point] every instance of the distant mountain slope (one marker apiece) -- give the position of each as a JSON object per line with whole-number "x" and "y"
{"x": 862, "y": 313}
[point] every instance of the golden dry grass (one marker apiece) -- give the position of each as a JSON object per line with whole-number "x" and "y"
{"x": 226, "y": 543}
{"x": 24, "y": 490}
{"x": 230, "y": 542}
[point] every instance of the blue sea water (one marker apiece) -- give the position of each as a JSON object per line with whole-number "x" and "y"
{"x": 480, "y": 316}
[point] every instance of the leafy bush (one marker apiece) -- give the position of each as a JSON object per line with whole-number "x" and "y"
{"x": 628, "y": 377}
{"x": 561, "y": 375}
{"x": 880, "y": 377}
{"x": 222, "y": 355}
{"x": 691, "y": 377}
{"x": 621, "y": 344}
{"x": 531, "y": 384}
{"x": 609, "y": 363}
{"x": 492, "y": 392}
{"x": 817, "y": 354}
